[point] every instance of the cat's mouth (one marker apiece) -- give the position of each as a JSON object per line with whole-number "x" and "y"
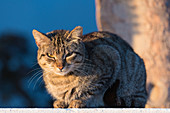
{"x": 64, "y": 71}
{"x": 61, "y": 73}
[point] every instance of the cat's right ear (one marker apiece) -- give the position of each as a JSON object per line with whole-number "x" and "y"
{"x": 40, "y": 38}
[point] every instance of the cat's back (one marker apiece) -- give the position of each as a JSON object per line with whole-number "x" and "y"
{"x": 94, "y": 39}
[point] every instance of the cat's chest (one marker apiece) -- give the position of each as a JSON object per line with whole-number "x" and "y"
{"x": 61, "y": 87}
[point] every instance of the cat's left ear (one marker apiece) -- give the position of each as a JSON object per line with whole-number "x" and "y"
{"x": 40, "y": 38}
{"x": 76, "y": 32}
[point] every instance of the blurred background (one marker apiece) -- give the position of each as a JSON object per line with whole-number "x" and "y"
{"x": 144, "y": 24}
{"x": 20, "y": 85}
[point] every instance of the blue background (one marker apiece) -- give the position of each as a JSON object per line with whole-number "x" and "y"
{"x": 25, "y": 15}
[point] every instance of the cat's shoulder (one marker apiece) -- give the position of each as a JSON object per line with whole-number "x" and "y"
{"x": 100, "y": 34}
{"x": 104, "y": 36}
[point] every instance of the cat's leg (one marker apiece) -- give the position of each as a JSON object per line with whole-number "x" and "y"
{"x": 109, "y": 60}
{"x": 95, "y": 100}
{"x": 59, "y": 104}
{"x": 140, "y": 96}
{"x": 139, "y": 99}
{"x": 77, "y": 104}
{"x": 133, "y": 88}
{"x": 138, "y": 103}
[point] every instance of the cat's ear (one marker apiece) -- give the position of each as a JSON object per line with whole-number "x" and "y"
{"x": 40, "y": 38}
{"x": 76, "y": 32}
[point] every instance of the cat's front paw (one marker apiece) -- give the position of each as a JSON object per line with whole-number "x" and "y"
{"x": 77, "y": 104}
{"x": 59, "y": 104}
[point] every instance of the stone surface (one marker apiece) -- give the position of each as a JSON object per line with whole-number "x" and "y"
{"x": 94, "y": 110}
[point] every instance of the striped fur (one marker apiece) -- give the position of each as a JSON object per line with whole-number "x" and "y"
{"x": 99, "y": 70}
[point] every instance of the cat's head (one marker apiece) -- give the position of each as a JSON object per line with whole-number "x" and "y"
{"x": 60, "y": 51}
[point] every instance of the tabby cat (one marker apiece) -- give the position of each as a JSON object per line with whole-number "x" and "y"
{"x": 98, "y": 69}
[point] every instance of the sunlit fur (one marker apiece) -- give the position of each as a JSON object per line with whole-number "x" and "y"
{"x": 69, "y": 51}
{"x": 98, "y": 69}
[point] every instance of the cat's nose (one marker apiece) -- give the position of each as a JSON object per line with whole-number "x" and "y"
{"x": 60, "y": 66}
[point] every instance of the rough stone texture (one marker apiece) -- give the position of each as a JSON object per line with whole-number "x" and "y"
{"x": 144, "y": 24}
{"x": 94, "y": 110}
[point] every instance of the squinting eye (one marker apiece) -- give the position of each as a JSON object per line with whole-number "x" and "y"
{"x": 71, "y": 56}
{"x": 50, "y": 55}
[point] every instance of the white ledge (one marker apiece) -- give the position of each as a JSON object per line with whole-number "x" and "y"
{"x": 84, "y": 110}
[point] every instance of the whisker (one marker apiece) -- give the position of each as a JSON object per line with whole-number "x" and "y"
{"x": 85, "y": 65}
{"x": 35, "y": 74}
{"x": 81, "y": 71}
{"x": 44, "y": 74}
{"x": 33, "y": 70}
{"x": 37, "y": 81}
{"x": 89, "y": 65}
{"x": 33, "y": 77}
{"x": 34, "y": 64}
{"x": 40, "y": 83}
{"x": 87, "y": 59}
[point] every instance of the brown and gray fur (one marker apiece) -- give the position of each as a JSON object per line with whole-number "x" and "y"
{"x": 98, "y": 69}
